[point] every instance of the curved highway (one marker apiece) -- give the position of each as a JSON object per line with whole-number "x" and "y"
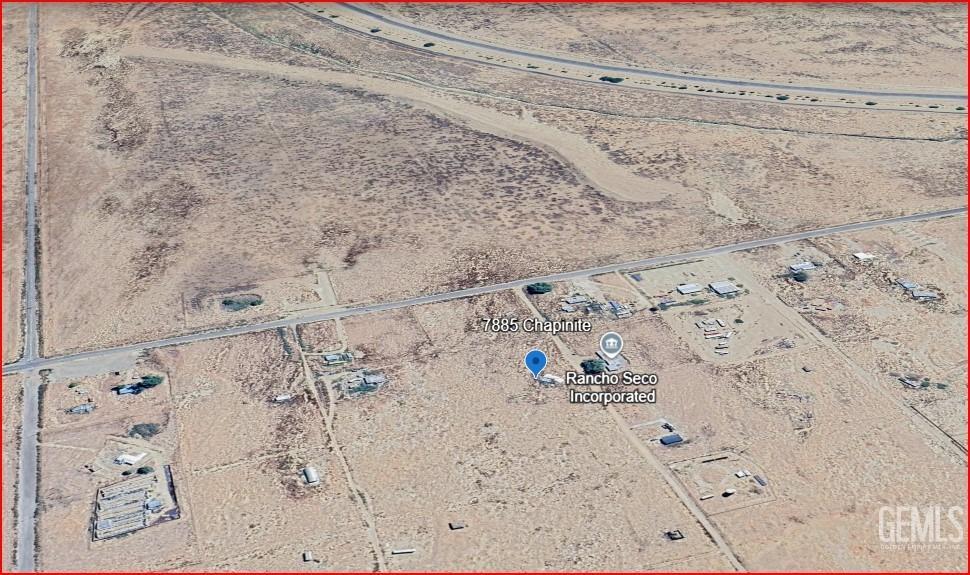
{"x": 559, "y": 60}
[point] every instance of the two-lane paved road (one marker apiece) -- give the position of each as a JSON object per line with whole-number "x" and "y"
{"x": 27, "y": 470}
{"x": 51, "y": 362}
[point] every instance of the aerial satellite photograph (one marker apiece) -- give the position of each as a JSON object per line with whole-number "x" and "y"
{"x": 484, "y": 287}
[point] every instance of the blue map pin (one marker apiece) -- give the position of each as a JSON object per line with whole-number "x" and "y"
{"x": 535, "y": 360}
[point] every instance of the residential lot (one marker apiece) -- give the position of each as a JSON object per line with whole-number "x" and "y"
{"x": 877, "y": 324}
{"x": 235, "y": 454}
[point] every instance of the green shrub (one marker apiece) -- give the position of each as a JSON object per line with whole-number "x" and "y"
{"x": 145, "y": 470}
{"x": 151, "y": 380}
{"x": 593, "y": 366}
{"x": 145, "y": 430}
{"x": 241, "y": 302}
{"x": 538, "y": 288}
{"x": 611, "y": 79}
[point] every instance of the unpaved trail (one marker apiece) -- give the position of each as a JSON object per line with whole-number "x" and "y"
{"x": 360, "y": 499}
{"x": 631, "y": 437}
{"x": 588, "y": 163}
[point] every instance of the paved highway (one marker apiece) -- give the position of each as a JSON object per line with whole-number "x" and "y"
{"x": 45, "y": 363}
{"x": 31, "y": 332}
{"x": 27, "y": 469}
{"x": 550, "y": 59}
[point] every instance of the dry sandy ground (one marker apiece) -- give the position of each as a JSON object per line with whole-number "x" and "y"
{"x": 12, "y": 390}
{"x": 539, "y": 483}
{"x": 811, "y": 435}
{"x": 242, "y": 150}
{"x": 875, "y": 322}
{"x": 461, "y": 434}
{"x": 14, "y": 103}
{"x": 236, "y": 458}
{"x": 880, "y": 46}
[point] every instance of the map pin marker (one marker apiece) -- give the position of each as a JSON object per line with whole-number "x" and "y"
{"x": 535, "y": 360}
{"x": 611, "y": 344}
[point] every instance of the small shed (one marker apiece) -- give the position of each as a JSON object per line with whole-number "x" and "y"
{"x": 551, "y": 380}
{"x": 672, "y": 439}
{"x": 375, "y": 379}
{"x": 907, "y": 284}
{"x": 922, "y": 294}
{"x": 129, "y": 459}
{"x": 311, "y": 476}
{"x": 802, "y": 267}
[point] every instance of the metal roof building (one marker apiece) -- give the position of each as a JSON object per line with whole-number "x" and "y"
{"x": 686, "y": 289}
{"x": 907, "y": 284}
{"x": 311, "y": 476}
{"x": 723, "y": 287}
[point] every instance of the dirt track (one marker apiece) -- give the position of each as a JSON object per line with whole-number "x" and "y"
{"x": 595, "y": 167}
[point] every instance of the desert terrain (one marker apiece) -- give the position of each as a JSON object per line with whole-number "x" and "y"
{"x": 515, "y": 480}
{"x": 876, "y": 323}
{"x": 295, "y": 222}
{"x": 234, "y": 453}
{"x": 14, "y": 103}
{"x": 459, "y": 434}
{"x": 339, "y": 156}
